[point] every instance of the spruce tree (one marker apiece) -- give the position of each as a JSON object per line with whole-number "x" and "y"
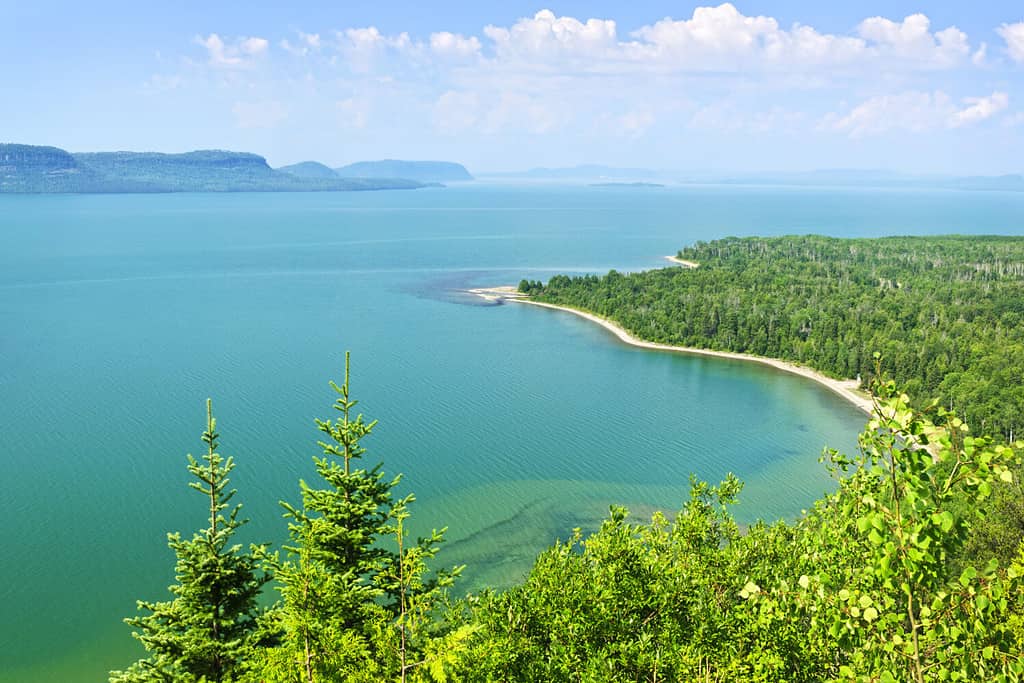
{"x": 210, "y": 630}
{"x": 350, "y": 604}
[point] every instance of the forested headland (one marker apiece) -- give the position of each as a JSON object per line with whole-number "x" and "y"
{"x": 945, "y": 313}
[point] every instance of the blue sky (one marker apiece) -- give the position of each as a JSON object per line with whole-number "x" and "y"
{"x": 926, "y": 87}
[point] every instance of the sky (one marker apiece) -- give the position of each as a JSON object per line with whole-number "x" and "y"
{"x": 931, "y": 86}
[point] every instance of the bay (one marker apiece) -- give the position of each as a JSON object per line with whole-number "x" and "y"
{"x": 120, "y": 314}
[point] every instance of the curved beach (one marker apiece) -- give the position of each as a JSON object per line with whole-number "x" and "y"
{"x": 682, "y": 262}
{"x": 847, "y": 389}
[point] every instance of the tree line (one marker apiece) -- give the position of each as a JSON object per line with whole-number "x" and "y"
{"x": 946, "y": 313}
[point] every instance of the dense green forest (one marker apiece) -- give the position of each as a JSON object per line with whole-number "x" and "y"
{"x": 883, "y": 580}
{"x": 946, "y": 313}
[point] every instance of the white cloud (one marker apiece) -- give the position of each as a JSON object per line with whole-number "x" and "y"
{"x": 914, "y": 112}
{"x": 547, "y": 73}
{"x": 1013, "y": 34}
{"x": 980, "y": 108}
{"x": 910, "y": 111}
{"x": 307, "y": 42}
{"x": 363, "y": 48}
{"x": 454, "y": 45}
{"x": 723, "y": 38}
{"x": 912, "y": 40}
{"x": 238, "y": 54}
{"x": 548, "y": 36}
{"x": 259, "y": 114}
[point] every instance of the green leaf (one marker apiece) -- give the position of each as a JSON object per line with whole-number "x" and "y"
{"x": 967, "y": 576}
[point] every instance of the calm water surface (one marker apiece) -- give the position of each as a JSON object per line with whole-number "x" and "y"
{"x": 119, "y": 315}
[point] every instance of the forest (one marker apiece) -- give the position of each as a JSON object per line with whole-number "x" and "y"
{"x": 945, "y": 313}
{"x": 911, "y": 569}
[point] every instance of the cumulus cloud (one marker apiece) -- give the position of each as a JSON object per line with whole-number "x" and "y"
{"x": 914, "y": 112}
{"x": 237, "y": 54}
{"x": 712, "y": 39}
{"x": 1013, "y": 34}
{"x": 548, "y": 36}
{"x": 723, "y": 38}
{"x": 363, "y": 48}
{"x": 913, "y": 40}
{"x": 454, "y": 45}
{"x": 544, "y": 73}
{"x": 259, "y": 114}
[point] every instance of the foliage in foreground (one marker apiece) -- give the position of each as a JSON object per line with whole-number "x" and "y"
{"x": 861, "y": 588}
{"x": 871, "y": 584}
{"x": 210, "y": 629}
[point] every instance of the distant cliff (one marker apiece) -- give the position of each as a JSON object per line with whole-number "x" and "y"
{"x": 32, "y": 169}
{"x": 423, "y": 171}
{"x": 28, "y": 168}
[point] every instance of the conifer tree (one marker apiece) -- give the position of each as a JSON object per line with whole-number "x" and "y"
{"x": 350, "y": 605}
{"x": 211, "y": 628}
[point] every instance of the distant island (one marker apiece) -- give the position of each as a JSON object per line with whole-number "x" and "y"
{"x": 35, "y": 169}
{"x": 636, "y": 184}
{"x": 423, "y": 171}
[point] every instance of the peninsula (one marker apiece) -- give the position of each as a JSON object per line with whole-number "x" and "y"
{"x": 824, "y": 307}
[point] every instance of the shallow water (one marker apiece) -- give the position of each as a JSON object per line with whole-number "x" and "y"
{"x": 119, "y": 315}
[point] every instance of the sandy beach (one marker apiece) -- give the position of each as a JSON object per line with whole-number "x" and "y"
{"x": 682, "y": 262}
{"x": 847, "y": 389}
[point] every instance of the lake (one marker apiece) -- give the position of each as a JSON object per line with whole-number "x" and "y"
{"x": 120, "y": 315}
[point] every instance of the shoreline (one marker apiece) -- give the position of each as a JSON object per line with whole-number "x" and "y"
{"x": 846, "y": 389}
{"x": 682, "y": 262}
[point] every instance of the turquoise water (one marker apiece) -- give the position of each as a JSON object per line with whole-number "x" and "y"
{"x": 119, "y": 315}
